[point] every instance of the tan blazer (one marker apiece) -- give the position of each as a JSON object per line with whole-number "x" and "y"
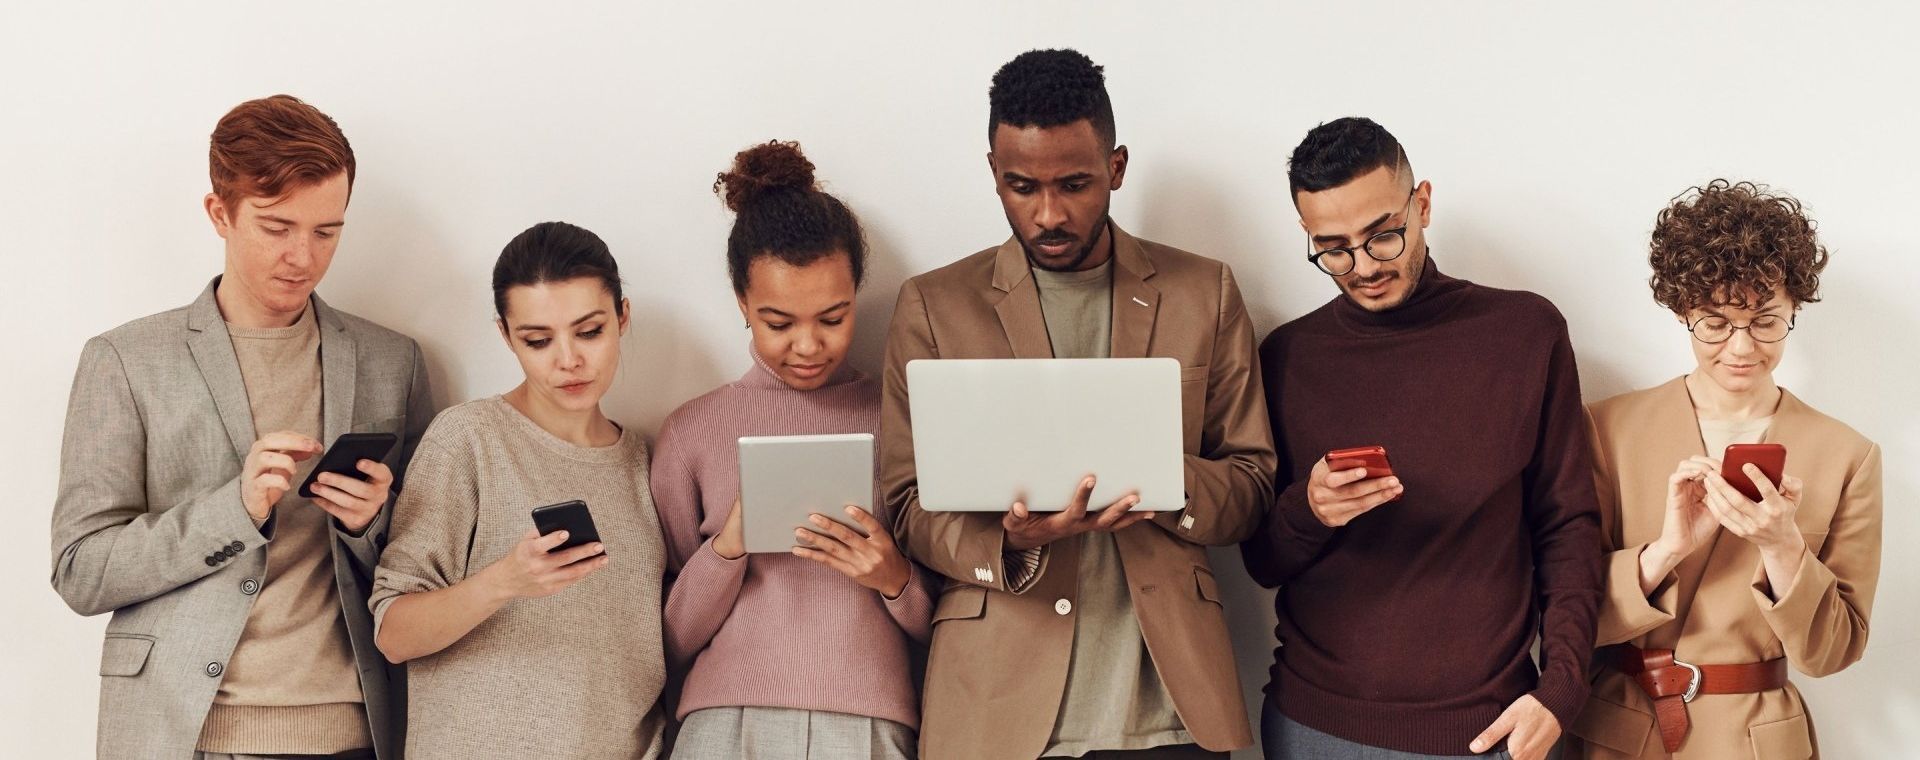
{"x": 998, "y": 665}
{"x": 1715, "y": 607}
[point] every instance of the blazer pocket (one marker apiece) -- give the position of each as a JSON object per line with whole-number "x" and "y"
{"x": 1616, "y": 727}
{"x": 125, "y": 654}
{"x": 960, "y": 603}
{"x": 1205, "y": 585}
{"x": 1782, "y": 740}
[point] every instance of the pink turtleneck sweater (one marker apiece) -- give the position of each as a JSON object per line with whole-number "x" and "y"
{"x": 774, "y": 630}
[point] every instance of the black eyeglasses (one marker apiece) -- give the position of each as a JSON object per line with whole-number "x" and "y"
{"x": 1385, "y": 245}
{"x": 1767, "y": 328}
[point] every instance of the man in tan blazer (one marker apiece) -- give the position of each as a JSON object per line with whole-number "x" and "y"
{"x": 1086, "y": 633}
{"x": 240, "y": 623}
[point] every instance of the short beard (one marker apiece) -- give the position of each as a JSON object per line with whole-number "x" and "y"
{"x": 1080, "y": 257}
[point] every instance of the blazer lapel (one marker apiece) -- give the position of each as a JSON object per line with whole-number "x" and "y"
{"x": 337, "y": 372}
{"x": 1019, "y": 304}
{"x": 212, "y": 350}
{"x": 1135, "y": 303}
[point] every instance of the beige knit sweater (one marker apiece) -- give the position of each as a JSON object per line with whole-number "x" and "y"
{"x": 577, "y": 674}
{"x": 291, "y": 686}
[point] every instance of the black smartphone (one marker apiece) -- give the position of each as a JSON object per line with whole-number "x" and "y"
{"x": 570, "y": 516}
{"x": 344, "y": 456}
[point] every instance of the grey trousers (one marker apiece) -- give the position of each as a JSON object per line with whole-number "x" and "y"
{"x": 358, "y": 754}
{"x": 1283, "y": 739}
{"x": 778, "y": 733}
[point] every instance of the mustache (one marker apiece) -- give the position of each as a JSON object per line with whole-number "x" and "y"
{"x": 1053, "y": 236}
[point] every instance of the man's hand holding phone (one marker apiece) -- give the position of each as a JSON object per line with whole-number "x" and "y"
{"x": 268, "y": 472}
{"x": 352, "y": 501}
{"x": 1026, "y": 530}
{"x": 1339, "y": 495}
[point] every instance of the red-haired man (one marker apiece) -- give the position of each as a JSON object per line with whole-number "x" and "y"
{"x": 240, "y": 624}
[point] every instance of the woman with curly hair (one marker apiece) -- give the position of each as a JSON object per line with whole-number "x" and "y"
{"x": 1713, "y": 594}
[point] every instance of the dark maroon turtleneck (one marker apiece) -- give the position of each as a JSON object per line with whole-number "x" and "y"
{"x": 1410, "y": 627}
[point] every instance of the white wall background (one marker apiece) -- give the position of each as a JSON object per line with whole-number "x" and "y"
{"x": 1552, "y": 134}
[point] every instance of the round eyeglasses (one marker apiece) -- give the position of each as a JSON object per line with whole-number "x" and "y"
{"x": 1385, "y": 245}
{"x": 1767, "y": 328}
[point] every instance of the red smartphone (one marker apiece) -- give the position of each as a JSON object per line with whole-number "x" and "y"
{"x": 1373, "y": 458}
{"x": 1771, "y": 458}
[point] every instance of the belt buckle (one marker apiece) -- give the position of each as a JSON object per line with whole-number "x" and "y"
{"x": 1693, "y": 684}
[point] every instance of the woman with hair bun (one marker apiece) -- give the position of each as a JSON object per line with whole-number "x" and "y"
{"x": 785, "y": 655}
{"x": 1712, "y": 595}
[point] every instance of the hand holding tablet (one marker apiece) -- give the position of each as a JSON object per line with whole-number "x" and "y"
{"x": 785, "y": 480}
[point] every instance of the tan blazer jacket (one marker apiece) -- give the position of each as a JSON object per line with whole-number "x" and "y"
{"x": 1716, "y": 607}
{"x": 998, "y": 665}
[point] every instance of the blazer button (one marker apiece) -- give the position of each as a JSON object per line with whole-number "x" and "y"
{"x": 237, "y": 547}
{"x": 211, "y": 562}
{"x": 214, "y": 669}
{"x": 1063, "y": 606}
{"x": 249, "y": 586}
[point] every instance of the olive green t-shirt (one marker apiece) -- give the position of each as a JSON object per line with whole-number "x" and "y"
{"x": 1114, "y": 698}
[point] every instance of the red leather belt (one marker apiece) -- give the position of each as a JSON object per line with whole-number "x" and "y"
{"x": 1673, "y": 683}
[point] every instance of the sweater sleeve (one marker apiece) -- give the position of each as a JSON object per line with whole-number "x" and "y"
{"x": 912, "y": 610}
{"x": 1562, "y": 518}
{"x": 702, "y": 585}
{"x": 432, "y": 528}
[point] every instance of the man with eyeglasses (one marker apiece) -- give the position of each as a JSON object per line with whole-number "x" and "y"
{"x": 1408, "y": 603}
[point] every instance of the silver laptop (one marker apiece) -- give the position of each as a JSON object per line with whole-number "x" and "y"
{"x": 785, "y": 478}
{"x": 987, "y": 432}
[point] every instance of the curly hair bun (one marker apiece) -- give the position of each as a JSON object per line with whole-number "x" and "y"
{"x": 770, "y": 167}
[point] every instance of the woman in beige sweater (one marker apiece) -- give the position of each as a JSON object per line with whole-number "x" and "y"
{"x": 1712, "y": 596}
{"x": 514, "y": 651}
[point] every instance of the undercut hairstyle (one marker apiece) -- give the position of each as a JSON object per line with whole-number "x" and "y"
{"x": 780, "y": 212}
{"x": 1341, "y": 150}
{"x": 1049, "y": 88}
{"x": 554, "y": 252}
{"x": 1731, "y": 244}
{"x": 265, "y": 148}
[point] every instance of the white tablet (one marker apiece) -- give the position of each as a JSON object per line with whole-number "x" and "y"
{"x": 785, "y": 478}
{"x": 988, "y": 432}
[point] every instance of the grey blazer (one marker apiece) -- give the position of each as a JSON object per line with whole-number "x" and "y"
{"x": 148, "y": 524}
